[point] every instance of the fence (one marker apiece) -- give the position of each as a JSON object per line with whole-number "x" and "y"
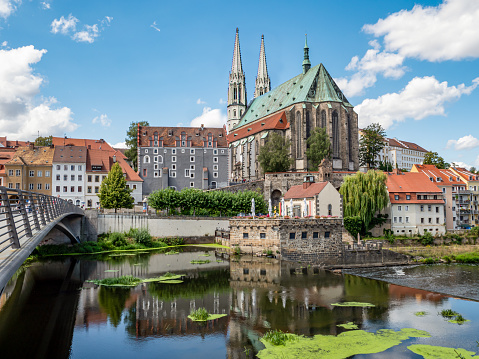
{"x": 23, "y": 213}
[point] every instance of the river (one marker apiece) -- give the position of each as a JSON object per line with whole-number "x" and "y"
{"x": 49, "y": 310}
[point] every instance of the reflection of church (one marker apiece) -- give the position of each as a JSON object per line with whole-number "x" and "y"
{"x": 293, "y": 109}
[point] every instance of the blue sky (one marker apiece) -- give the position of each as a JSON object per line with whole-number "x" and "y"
{"x": 89, "y": 68}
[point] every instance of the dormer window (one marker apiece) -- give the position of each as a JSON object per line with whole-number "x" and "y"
{"x": 431, "y": 179}
{"x": 450, "y": 179}
{"x": 396, "y": 197}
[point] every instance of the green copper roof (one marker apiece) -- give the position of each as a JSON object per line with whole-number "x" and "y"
{"x": 316, "y": 85}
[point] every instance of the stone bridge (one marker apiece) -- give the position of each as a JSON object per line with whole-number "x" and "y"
{"x": 28, "y": 218}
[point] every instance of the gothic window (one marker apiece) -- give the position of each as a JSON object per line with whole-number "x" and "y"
{"x": 308, "y": 130}
{"x": 235, "y": 92}
{"x": 146, "y": 159}
{"x": 323, "y": 119}
{"x": 298, "y": 135}
{"x": 335, "y": 135}
{"x": 234, "y": 113}
{"x": 239, "y": 93}
{"x": 350, "y": 139}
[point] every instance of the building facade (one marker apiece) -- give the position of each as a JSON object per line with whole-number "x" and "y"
{"x": 182, "y": 157}
{"x": 69, "y": 169}
{"x": 467, "y": 199}
{"x": 293, "y": 109}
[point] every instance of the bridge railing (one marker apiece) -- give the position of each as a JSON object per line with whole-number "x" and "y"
{"x": 22, "y": 213}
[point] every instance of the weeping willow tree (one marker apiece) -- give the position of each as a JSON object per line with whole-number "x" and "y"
{"x": 364, "y": 194}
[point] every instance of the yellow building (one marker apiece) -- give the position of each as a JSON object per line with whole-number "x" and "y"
{"x": 30, "y": 169}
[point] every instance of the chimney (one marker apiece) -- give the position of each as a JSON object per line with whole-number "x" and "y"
{"x": 397, "y": 171}
{"x": 202, "y": 127}
{"x": 308, "y": 180}
{"x": 31, "y": 145}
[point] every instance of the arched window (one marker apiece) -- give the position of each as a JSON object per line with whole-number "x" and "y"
{"x": 308, "y": 127}
{"x": 146, "y": 159}
{"x": 323, "y": 119}
{"x": 298, "y": 135}
{"x": 239, "y": 93}
{"x": 235, "y": 92}
{"x": 350, "y": 138}
{"x": 335, "y": 135}
{"x": 234, "y": 113}
{"x": 330, "y": 209}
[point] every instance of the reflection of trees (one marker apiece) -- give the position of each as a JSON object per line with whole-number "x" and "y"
{"x": 205, "y": 282}
{"x": 112, "y": 301}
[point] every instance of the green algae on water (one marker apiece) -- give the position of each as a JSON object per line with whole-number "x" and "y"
{"x": 457, "y": 321}
{"x": 433, "y": 352}
{"x": 420, "y": 314}
{"x": 210, "y": 317}
{"x": 111, "y": 271}
{"x": 200, "y": 261}
{"x": 130, "y": 281}
{"x": 353, "y": 304}
{"x": 342, "y": 346}
{"x": 349, "y": 325}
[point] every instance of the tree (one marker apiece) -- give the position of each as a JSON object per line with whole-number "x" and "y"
{"x": 432, "y": 158}
{"x": 274, "y": 155}
{"x": 473, "y": 169}
{"x": 386, "y": 166}
{"x": 131, "y": 141}
{"x": 44, "y": 141}
{"x": 364, "y": 194}
{"x": 113, "y": 190}
{"x": 370, "y": 144}
{"x": 319, "y": 147}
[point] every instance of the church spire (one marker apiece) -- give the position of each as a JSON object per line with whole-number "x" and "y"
{"x": 263, "y": 84}
{"x": 237, "y": 88}
{"x": 306, "y": 62}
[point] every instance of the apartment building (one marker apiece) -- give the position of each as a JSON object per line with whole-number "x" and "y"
{"x": 468, "y": 199}
{"x": 416, "y": 205}
{"x": 30, "y": 169}
{"x": 182, "y": 157}
{"x": 451, "y": 186}
{"x": 69, "y": 168}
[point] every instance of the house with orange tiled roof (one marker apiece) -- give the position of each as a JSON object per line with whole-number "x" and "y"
{"x": 313, "y": 199}
{"x": 451, "y": 185}
{"x": 468, "y": 199}
{"x": 6, "y": 154}
{"x": 417, "y": 205}
{"x": 182, "y": 157}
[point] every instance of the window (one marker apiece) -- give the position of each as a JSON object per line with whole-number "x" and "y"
{"x": 330, "y": 209}
{"x": 315, "y": 235}
{"x": 97, "y": 178}
{"x": 30, "y": 186}
{"x": 422, "y": 208}
{"x": 65, "y": 189}
{"x": 146, "y": 150}
{"x": 215, "y": 152}
{"x": 400, "y": 219}
{"x": 222, "y": 151}
{"x": 422, "y": 220}
{"x": 396, "y": 197}
{"x": 58, "y": 167}
{"x": 406, "y": 208}
{"x": 213, "y": 184}
{"x": 10, "y": 172}
{"x": 173, "y": 158}
{"x": 173, "y": 151}
{"x": 144, "y": 172}
{"x": 58, "y": 177}
{"x": 155, "y": 167}
{"x": 187, "y": 173}
{"x": 72, "y": 177}
{"x": 418, "y": 196}
{"x": 17, "y": 172}
{"x": 262, "y": 235}
{"x": 395, "y": 220}
{"x": 79, "y": 167}
{"x": 88, "y": 178}
{"x": 215, "y": 167}
{"x": 437, "y": 209}
{"x": 72, "y": 189}
{"x": 429, "y": 220}
{"x": 172, "y": 174}
{"x": 292, "y": 235}
{"x": 407, "y": 219}
{"x": 245, "y": 270}
{"x": 215, "y": 159}
{"x": 88, "y": 203}
{"x": 88, "y": 189}
{"x": 47, "y": 173}
{"x": 146, "y": 159}
{"x": 155, "y": 151}
{"x": 336, "y": 137}
{"x": 103, "y": 178}
{"x": 192, "y": 175}
{"x": 192, "y": 184}
{"x": 31, "y": 173}
{"x": 17, "y": 185}
{"x": 80, "y": 188}
{"x": 192, "y": 151}
{"x": 72, "y": 167}
{"x": 245, "y": 235}
{"x": 437, "y": 220}
{"x": 429, "y": 208}
{"x": 173, "y": 167}
{"x": 192, "y": 167}
{"x": 155, "y": 159}
{"x": 10, "y": 185}
{"x": 215, "y": 174}
{"x": 399, "y": 208}
{"x": 326, "y": 234}
{"x": 97, "y": 189}
{"x": 134, "y": 186}
{"x": 304, "y": 235}
{"x": 80, "y": 177}
{"x": 65, "y": 177}
{"x": 453, "y": 209}
{"x": 39, "y": 173}
{"x": 192, "y": 158}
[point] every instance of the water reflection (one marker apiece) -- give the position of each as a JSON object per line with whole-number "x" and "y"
{"x": 50, "y": 306}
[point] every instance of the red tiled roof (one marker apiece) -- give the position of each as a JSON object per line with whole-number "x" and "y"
{"x": 433, "y": 172}
{"x": 413, "y": 146}
{"x": 100, "y": 144}
{"x": 465, "y": 174}
{"x": 73, "y": 154}
{"x": 277, "y": 121}
{"x": 105, "y": 159}
{"x": 299, "y": 192}
{"x": 169, "y": 135}
{"x": 412, "y": 184}
{"x": 131, "y": 175}
{"x": 6, "y": 154}
{"x": 12, "y": 144}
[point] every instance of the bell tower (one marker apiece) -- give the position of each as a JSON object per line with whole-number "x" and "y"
{"x": 263, "y": 83}
{"x": 237, "y": 88}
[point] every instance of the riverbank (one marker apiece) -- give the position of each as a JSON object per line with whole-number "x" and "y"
{"x": 441, "y": 254}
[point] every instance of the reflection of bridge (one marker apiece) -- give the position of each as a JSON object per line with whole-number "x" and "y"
{"x": 25, "y": 219}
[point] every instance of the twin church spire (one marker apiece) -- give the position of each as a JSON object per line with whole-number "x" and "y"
{"x": 237, "y": 100}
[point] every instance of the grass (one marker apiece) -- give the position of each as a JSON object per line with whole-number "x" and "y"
{"x": 277, "y": 337}
{"x": 130, "y": 281}
{"x": 448, "y": 254}
{"x": 202, "y": 315}
{"x": 200, "y": 261}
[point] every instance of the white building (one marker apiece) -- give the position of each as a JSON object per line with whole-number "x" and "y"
{"x": 68, "y": 167}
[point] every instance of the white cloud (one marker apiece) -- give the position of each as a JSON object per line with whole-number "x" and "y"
{"x": 45, "y": 5}
{"x": 222, "y": 102}
{"x": 210, "y": 118}
{"x": 422, "y": 97}
{"x": 22, "y": 113}
{"x": 89, "y": 32}
{"x": 374, "y": 62}
{"x": 155, "y": 26}
{"x": 5, "y": 44}
{"x": 103, "y": 119}
{"x": 64, "y": 26}
{"x": 200, "y": 102}
{"x": 7, "y": 7}
{"x": 464, "y": 143}
{"x": 448, "y": 31}
{"x": 119, "y": 145}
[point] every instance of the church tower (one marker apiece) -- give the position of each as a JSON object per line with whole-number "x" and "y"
{"x": 263, "y": 84}
{"x": 237, "y": 88}
{"x": 306, "y": 62}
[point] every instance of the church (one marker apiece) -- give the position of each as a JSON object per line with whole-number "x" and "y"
{"x": 293, "y": 109}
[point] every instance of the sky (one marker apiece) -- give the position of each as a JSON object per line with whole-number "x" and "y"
{"x": 90, "y": 68}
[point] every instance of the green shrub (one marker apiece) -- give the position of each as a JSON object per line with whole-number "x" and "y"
{"x": 448, "y": 313}
{"x": 140, "y": 236}
{"x": 118, "y": 239}
{"x": 428, "y": 261}
{"x": 200, "y": 314}
{"x": 106, "y": 245}
{"x": 277, "y": 337}
{"x": 173, "y": 241}
{"x": 427, "y": 239}
{"x": 353, "y": 225}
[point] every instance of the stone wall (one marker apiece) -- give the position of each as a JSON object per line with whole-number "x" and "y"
{"x": 247, "y": 233}
{"x": 257, "y": 186}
